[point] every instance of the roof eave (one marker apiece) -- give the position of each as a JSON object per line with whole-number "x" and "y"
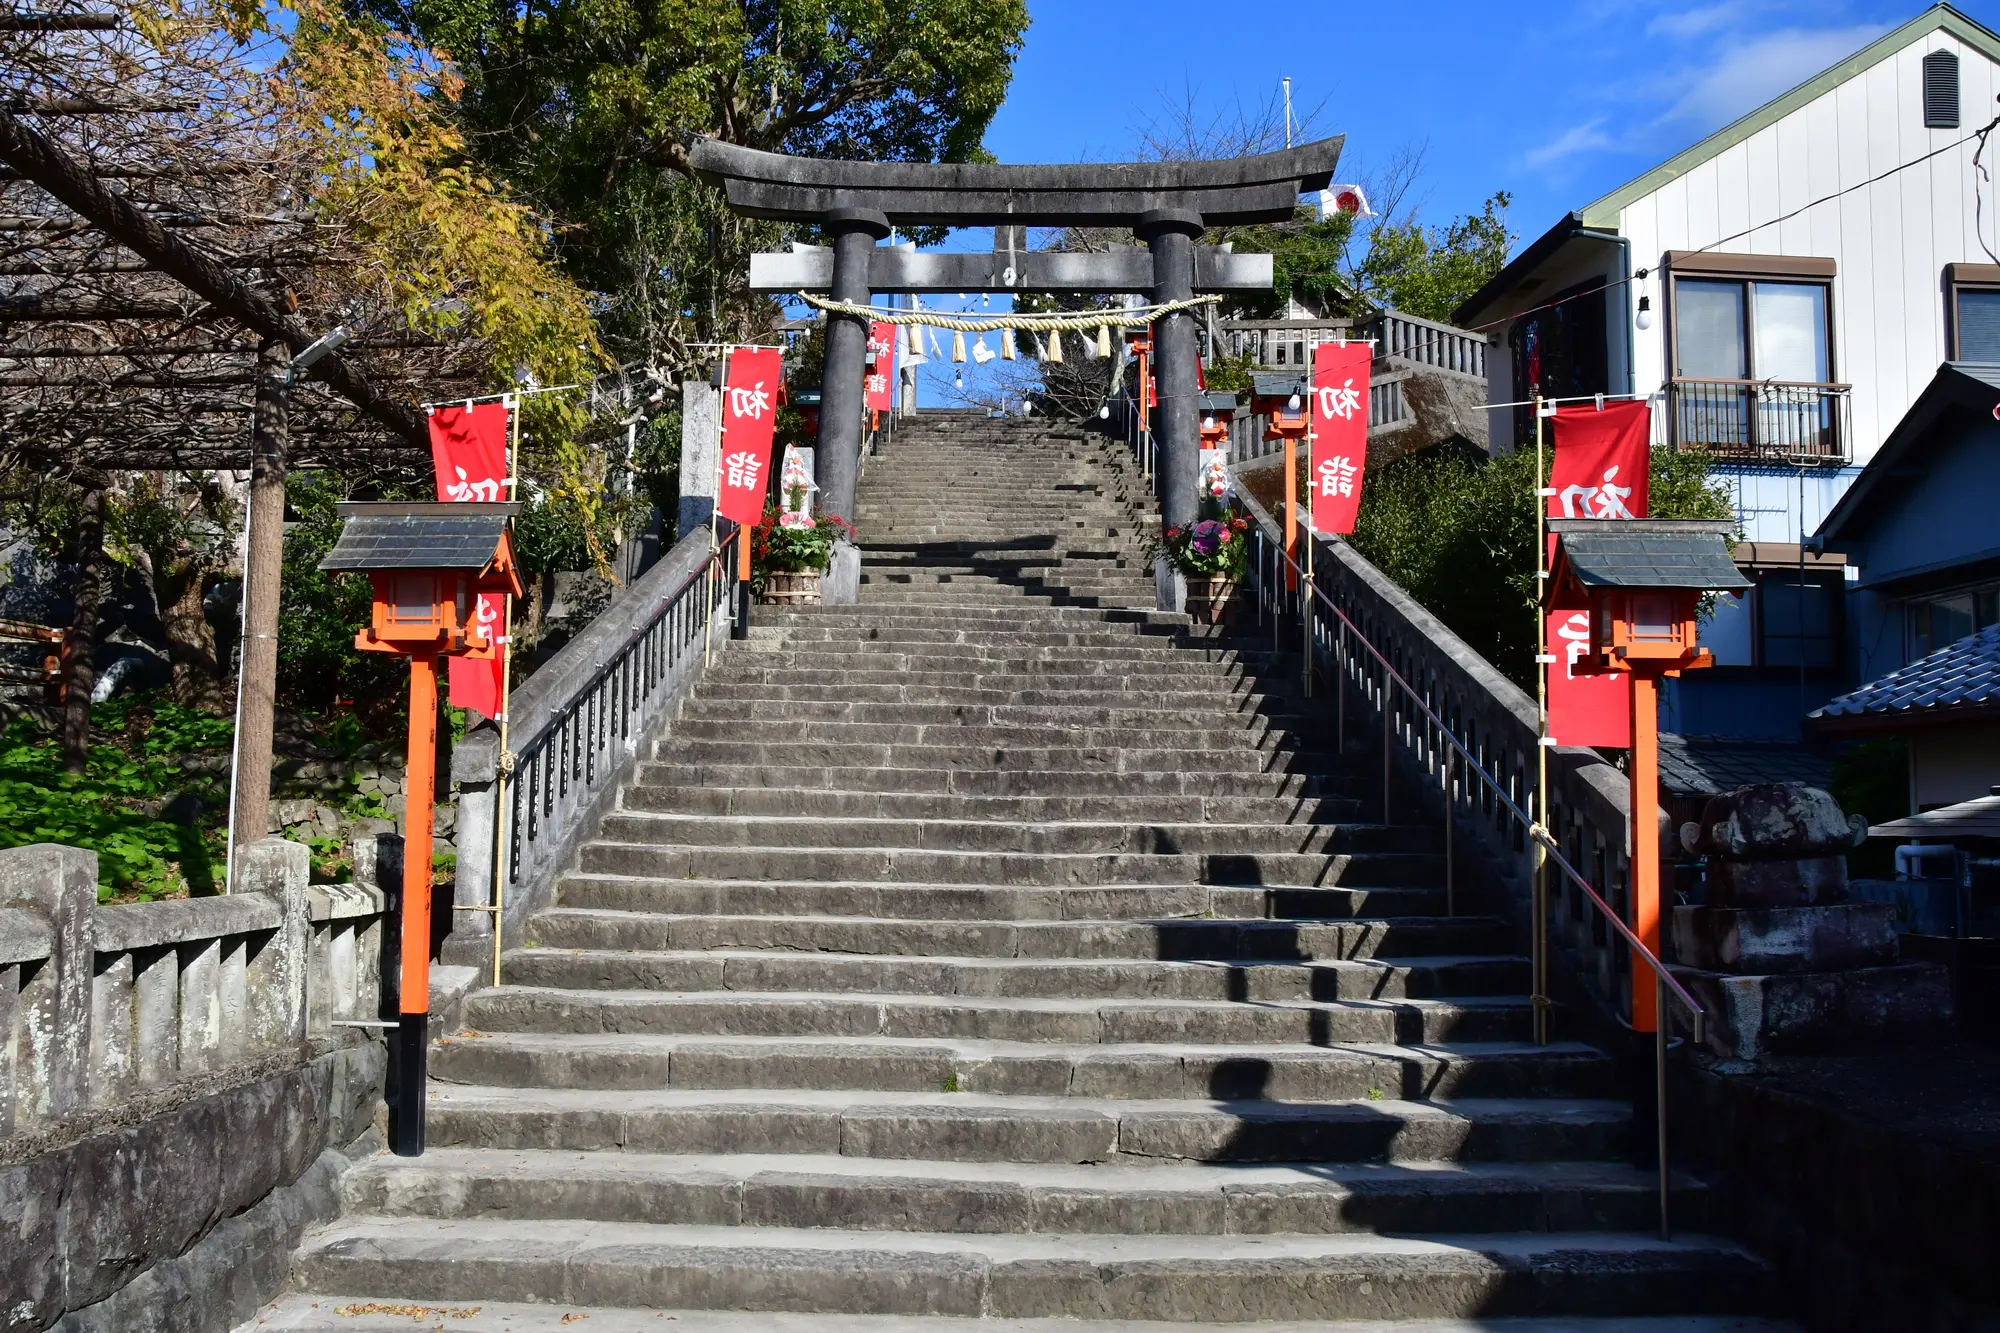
{"x": 1608, "y": 211}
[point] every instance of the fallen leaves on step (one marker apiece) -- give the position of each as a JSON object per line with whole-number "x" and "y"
{"x": 414, "y": 1312}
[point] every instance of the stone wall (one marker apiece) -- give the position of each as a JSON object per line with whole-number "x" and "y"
{"x": 176, "y": 1082}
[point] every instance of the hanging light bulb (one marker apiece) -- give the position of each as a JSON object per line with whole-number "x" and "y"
{"x": 1292, "y": 404}
{"x": 1104, "y": 412}
{"x": 1645, "y": 320}
{"x": 1208, "y": 422}
{"x": 958, "y": 378}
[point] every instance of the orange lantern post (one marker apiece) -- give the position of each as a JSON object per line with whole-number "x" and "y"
{"x": 1643, "y": 580}
{"x": 428, "y": 564}
{"x": 1282, "y": 400}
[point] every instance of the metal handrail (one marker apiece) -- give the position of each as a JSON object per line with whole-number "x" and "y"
{"x": 1664, "y": 982}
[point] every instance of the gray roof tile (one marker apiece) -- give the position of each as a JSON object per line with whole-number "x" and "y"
{"x": 1965, "y": 674}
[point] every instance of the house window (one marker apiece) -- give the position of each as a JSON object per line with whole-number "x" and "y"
{"x": 1938, "y": 622}
{"x": 1560, "y": 352}
{"x": 1753, "y": 356}
{"x": 1972, "y": 296}
{"x": 1941, "y": 91}
{"x": 1798, "y": 619}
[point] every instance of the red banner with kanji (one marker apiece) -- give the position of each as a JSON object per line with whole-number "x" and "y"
{"x": 469, "y": 453}
{"x": 749, "y": 415}
{"x": 1602, "y": 457}
{"x": 878, "y": 381}
{"x": 1339, "y": 433}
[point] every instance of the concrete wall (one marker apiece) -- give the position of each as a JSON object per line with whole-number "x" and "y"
{"x": 174, "y": 1078}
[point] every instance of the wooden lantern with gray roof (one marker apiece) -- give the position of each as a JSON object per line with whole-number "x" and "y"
{"x": 1643, "y": 580}
{"x": 428, "y": 563}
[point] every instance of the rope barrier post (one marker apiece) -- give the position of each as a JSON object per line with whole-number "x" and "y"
{"x": 1388, "y": 734}
{"x": 1450, "y": 888}
{"x": 1539, "y": 894}
{"x": 1660, "y": 1103}
{"x": 1341, "y": 656}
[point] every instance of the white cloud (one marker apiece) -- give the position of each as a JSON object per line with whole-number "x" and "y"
{"x": 1688, "y": 23}
{"x": 1577, "y": 139}
{"x": 1743, "y": 75}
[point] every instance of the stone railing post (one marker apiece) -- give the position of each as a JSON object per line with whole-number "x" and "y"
{"x": 701, "y": 426}
{"x": 378, "y": 865}
{"x": 475, "y": 767}
{"x": 278, "y": 971}
{"x": 53, "y": 1010}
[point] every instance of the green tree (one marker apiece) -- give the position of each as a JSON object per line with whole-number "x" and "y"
{"x": 1428, "y": 271}
{"x": 589, "y": 105}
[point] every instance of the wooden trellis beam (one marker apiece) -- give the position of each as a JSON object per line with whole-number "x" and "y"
{"x": 70, "y": 181}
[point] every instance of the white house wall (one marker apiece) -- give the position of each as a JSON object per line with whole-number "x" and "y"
{"x": 1890, "y": 238}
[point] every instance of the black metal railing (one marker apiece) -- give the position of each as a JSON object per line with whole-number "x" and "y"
{"x": 1762, "y": 420}
{"x": 572, "y": 751}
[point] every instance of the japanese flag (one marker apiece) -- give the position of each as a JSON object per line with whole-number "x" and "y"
{"x": 1340, "y": 434}
{"x": 749, "y": 416}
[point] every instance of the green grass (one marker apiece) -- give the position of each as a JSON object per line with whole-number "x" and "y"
{"x": 104, "y": 809}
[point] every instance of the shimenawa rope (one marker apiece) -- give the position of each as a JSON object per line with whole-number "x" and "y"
{"x": 1051, "y": 322}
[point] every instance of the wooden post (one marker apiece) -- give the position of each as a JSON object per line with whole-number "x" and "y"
{"x": 1645, "y": 860}
{"x": 263, "y": 578}
{"x": 414, "y": 989}
{"x": 1291, "y": 512}
{"x": 80, "y": 643}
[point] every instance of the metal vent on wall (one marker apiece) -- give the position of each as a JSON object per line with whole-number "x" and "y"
{"x": 1941, "y": 91}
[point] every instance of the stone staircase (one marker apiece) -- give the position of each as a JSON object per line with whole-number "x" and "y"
{"x": 996, "y": 952}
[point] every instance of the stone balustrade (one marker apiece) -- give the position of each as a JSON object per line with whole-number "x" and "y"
{"x": 180, "y": 1083}
{"x": 106, "y": 1002}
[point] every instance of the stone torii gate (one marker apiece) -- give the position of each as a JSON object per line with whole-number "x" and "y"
{"x": 1167, "y": 205}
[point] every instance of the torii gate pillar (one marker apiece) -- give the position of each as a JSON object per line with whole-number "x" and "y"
{"x": 838, "y": 459}
{"x": 1171, "y": 233}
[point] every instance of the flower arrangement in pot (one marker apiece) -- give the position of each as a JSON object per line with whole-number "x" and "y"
{"x": 789, "y": 551}
{"x": 1213, "y": 554}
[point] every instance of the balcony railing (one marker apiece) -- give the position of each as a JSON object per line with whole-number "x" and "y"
{"x": 1767, "y": 421}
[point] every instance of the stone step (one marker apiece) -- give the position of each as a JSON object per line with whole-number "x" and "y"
{"x": 1008, "y": 1198}
{"x": 977, "y": 1127}
{"x": 1256, "y": 736}
{"x": 726, "y": 769}
{"x": 1004, "y": 1277}
{"x": 1192, "y": 725}
{"x": 962, "y": 651}
{"x": 997, "y": 902}
{"x": 955, "y": 615}
{"x": 719, "y": 969}
{"x": 1229, "y": 697}
{"x": 319, "y": 1312}
{"x": 840, "y": 693}
{"x": 1125, "y": 760}
{"x": 997, "y": 835}
{"x": 1088, "y": 1021}
{"x": 648, "y": 793}
{"x": 903, "y": 866}
{"x": 1207, "y": 939}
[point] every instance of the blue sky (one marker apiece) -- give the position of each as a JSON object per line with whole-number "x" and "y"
{"x": 1555, "y": 103}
